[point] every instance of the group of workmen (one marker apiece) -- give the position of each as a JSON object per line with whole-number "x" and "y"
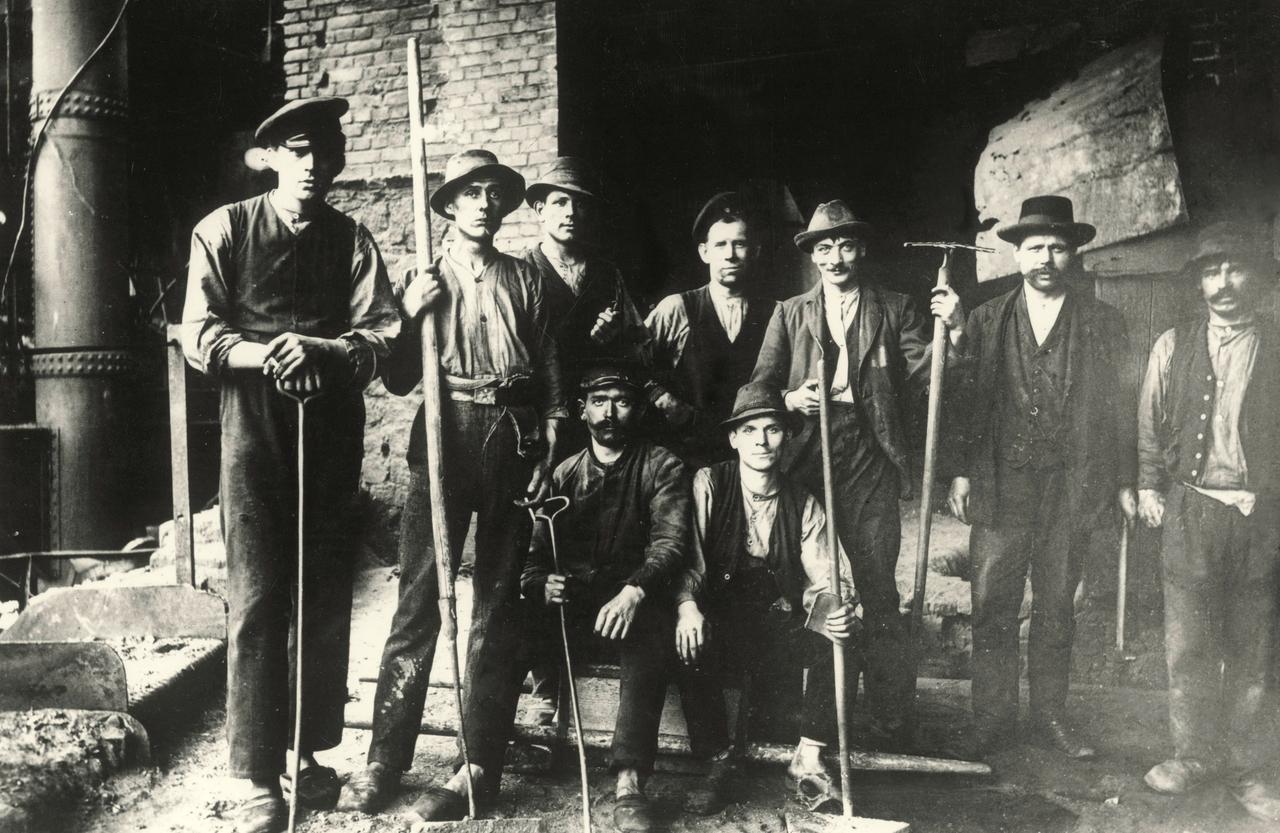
{"x": 694, "y": 546}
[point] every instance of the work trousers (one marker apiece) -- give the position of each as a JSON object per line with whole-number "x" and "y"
{"x": 643, "y": 657}
{"x": 1032, "y": 531}
{"x": 1220, "y": 584}
{"x": 771, "y": 650}
{"x": 485, "y": 476}
{"x": 869, "y": 527}
{"x": 258, "y": 495}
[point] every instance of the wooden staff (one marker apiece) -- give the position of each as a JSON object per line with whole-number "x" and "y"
{"x": 425, "y": 256}
{"x": 1122, "y": 583}
{"x": 833, "y": 551}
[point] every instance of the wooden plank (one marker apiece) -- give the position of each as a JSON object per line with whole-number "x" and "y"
{"x": 184, "y": 548}
{"x": 85, "y": 613}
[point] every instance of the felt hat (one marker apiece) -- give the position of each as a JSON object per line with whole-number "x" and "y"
{"x": 724, "y": 205}
{"x": 612, "y": 373}
{"x": 567, "y": 173}
{"x": 299, "y": 123}
{"x": 832, "y": 219}
{"x": 1231, "y": 240}
{"x": 470, "y": 165}
{"x": 1047, "y": 215}
{"x": 755, "y": 399}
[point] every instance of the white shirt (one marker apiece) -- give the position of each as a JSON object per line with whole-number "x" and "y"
{"x": 730, "y": 309}
{"x": 1043, "y": 310}
{"x": 842, "y": 312}
{"x": 572, "y": 274}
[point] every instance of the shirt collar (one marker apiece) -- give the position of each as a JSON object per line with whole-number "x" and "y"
{"x": 720, "y": 295}
{"x": 843, "y": 301}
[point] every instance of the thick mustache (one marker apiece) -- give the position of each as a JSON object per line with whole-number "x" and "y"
{"x": 1224, "y": 295}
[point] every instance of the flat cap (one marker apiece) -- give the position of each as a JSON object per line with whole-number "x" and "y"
{"x": 300, "y": 121}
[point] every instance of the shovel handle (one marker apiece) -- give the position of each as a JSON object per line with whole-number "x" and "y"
{"x": 301, "y": 397}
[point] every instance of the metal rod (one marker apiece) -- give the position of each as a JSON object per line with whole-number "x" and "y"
{"x": 295, "y": 758}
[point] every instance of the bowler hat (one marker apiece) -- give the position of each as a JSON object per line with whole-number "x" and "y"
{"x": 470, "y": 165}
{"x": 1231, "y": 240}
{"x": 832, "y": 219}
{"x": 1047, "y": 215}
{"x": 298, "y": 122}
{"x": 726, "y": 205}
{"x": 612, "y": 373}
{"x": 567, "y": 173}
{"x": 755, "y": 399}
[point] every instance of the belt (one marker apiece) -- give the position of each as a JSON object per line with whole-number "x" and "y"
{"x": 510, "y": 391}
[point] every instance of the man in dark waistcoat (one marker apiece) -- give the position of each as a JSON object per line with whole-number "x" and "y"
{"x": 877, "y": 357}
{"x": 502, "y": 403}
{"x": 284, "y": 289}
{"x": 1209, "y": 474}
{"x": 621, "y": 543}
{"x": 1046, "y": 447}
{"x": 760, "y": 560}
{"x": 705, "y": 341}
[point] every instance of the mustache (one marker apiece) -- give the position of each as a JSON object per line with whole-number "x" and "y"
{"x": 1223, "y": 295}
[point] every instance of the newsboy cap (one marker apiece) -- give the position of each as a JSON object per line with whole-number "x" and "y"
{"x": 299, "y": 123}
{"x": 607, "y": 373}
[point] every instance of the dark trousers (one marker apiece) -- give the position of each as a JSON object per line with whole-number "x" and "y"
{"x": 643, "y": 657}
{"x": 869, "y": 527}
{"x": 1220, "y": 584}
{"x": 751, "y": 642}
{"x": 258, "y": 495}
{"x": 1033, "y": 531}
{"x": 485, "y": 476}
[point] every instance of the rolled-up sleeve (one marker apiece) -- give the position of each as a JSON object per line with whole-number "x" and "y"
{"x": 375, "y": 316}
{"x": 664, "y": 553}
{"x": 1152, "y": 464}
{"x": 207, "y": 338}
{"x": 814, "y": 555}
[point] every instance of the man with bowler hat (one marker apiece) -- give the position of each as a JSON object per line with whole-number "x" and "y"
{"x": 1046, "y": 449}
{"x": 759, "y": 564}
{"x": 502, "y": 405}
{"x": 621, "y": 542}
{"x": 283, "y": 289}
{"x": 1209, "y": 475}
{"x": 877, "y": 353}
{"x": 705, "y": 341}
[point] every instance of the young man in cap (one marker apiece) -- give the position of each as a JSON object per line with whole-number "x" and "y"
{"x": 283, "y": 289}
{"x": 1209, "y": 474}
{"x": 876, "y": 351}
{"x": 1046, "y": 447}
{"x": 760, "y": 561}
{"x": 705, "y": 341}
{"x": 621, "y": 543}
{"x": 502, "y": 402}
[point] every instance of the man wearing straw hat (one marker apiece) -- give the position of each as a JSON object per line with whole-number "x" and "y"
{"x": 283, "y": 288}
{"x": 1045, "y": 448}
{"x": 876, "y": 350}
{"x": 503, "y": 403}
{"x": 759, "y": 564}
{"x": 1209, "y": 474}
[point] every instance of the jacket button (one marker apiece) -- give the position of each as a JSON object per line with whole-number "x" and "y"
{"x": 726, "y": 576}
{"x": 1198, "y": 455}
{"x": 1206, "y": 397}
{"x": 1194, "y": 472}
{"x": 1034, "y": 410}
{"x": 1209, "y": 378}
{"x": 1204, "y": 416}
{"x": 1199, "y": 436}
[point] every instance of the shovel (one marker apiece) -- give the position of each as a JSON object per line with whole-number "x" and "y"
{"x": 551, "y": 507}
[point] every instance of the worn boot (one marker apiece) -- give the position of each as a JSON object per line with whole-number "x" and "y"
{"x": 371, "y": 789}
{"x": 1259, "y": 798}
{"x": 1054, "y": 733}
{"x": 1178, "y": 775}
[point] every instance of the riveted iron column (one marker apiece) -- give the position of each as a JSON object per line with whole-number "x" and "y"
{"x": 80, "y": 241}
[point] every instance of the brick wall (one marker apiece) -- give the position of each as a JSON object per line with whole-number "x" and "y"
{"x": 489, "y": 80}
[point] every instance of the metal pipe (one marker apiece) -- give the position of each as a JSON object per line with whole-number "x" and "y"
{"x": 80, "y": 243}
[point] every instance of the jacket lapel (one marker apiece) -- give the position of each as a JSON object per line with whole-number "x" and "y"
{"x": 814, "y": 316}
{"x": 870, "y": 320}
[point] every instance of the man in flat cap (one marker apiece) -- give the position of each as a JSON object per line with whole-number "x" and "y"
{"x": 705, "y": 341}
{"x": 502, "y": 404}
{"x": 621, "y": 543}
{"x": 283, "y": 289}
{"x": 1209, "y": 474}
{"x": 1046, "y": 448}
{"x": 759, "y": 564}
{"x": 876, "y": 352}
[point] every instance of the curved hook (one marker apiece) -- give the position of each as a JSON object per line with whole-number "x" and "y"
{"x": 297, "y": 396}
{"x": 549, "y": 508}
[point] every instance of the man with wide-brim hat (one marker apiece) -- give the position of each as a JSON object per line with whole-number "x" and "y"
{"x": 621, "y": 543}
{"x": 1045, "y": 456}
{"x": 877, "y": 358}
{"x": 1209, "y": 476}
{"x": 503, "y": 403}
{"x": 285, "y": 289}
{"x": 705, "y": 341}
{"x": 759, "y": 563}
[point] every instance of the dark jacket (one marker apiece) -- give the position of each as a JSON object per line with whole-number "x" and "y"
{"x": 892, "y": 359}
{"x": 1098, "y": 439}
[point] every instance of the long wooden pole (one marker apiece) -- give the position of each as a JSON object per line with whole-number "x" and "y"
{"x": 432, "y": 405}
{"x": 1122, "y": 583}
{"x": 937, "y": 367}
{"x": 833, "y": 551}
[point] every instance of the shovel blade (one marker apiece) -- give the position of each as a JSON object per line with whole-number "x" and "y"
{"x": 62, "y": 675}
{"x": 822, "y": 823}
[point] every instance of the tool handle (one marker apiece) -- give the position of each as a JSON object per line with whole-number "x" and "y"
{"x": 302, "y": 398}
{"x": 1122, "y": 583}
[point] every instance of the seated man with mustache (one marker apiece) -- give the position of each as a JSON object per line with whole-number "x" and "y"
{"x": 621, "y": 542}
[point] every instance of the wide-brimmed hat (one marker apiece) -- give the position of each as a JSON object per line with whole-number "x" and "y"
{"x": 567, "y": 173}
{"x": 756, "y": 399}
{"x": 1047, "y": 215}
{"x": 833, "y": 219}
{"x": 301, "y": 122}
{"x": 1232, "y": 240}
{"x": 726, "y": 205}
{"x": 470, "y": 165}
{"x": 612, "y": 373}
